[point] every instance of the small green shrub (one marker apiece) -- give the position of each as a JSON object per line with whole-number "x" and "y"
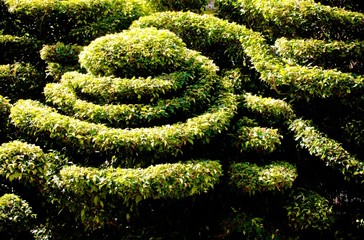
{"x": 251, "y": 178}
{"x": 15, "y": 215}
{"x": 21, "y": 80}
{"x": 308, "y": 210}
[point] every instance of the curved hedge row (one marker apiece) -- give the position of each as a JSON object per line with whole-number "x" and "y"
{"x": 77, "y": 21}
{"x": 20, "y": 80}
{"x": 95, "y": 192}
{"x": 297, "y": 19}
{"x": 15, "y": 214}
{"x": 251, "y": 178}
{"x": 9, "y": 49}
{"x": 328, "y": 150}
{"x": 298, "y": 81}
{"x": 345, "y": 56}
{"x": 155, "y": 142}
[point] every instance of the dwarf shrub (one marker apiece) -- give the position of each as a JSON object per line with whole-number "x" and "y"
{"x": 15, "y": 215}
{"x": 27, "y": 163}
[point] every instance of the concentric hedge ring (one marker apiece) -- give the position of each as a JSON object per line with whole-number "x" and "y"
{"x": 207, "y": 112}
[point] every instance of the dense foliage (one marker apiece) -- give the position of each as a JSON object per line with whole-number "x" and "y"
{"x": 246, "y": 123}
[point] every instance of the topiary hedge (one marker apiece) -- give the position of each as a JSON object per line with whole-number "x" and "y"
{"x": 297, "y": 19}
{"x": 72, "y": 21}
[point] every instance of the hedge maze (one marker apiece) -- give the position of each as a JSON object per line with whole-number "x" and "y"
{"x": 247, "y": 122}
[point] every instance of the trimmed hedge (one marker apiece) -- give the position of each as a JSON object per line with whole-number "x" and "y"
{"x": 328, "y": 150}
{"x": 297, "y": 19}
{"x": 284, "y": 78}
{"x": 73, "y": 21}
{"x": 21, "y": 80}
{"x": 134, "y": 53}
{"x": 345, "y": 56}
{"x": 308, "y": 210}
{"x": 274, "y": 110}
{"x": 140, "y": 143}
{"x": 215, "y": 38}
{"x": 95, "y": 192}
{"x": 251, "y": 178}
{"x": 10, "y": 46}
{"x": 15, "y": 215}
{"x": 60, "y": 58}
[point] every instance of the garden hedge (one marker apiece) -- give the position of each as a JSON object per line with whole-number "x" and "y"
{"x": 77, "y": 21}
{"x": 297, "y": 19}
{"x": 181, "y": 5}
{"x": 4, "y": 115}
{"x": 288, "y": 79}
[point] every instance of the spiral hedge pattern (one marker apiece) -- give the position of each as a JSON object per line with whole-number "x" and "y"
{"x": 132, "y": 109}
